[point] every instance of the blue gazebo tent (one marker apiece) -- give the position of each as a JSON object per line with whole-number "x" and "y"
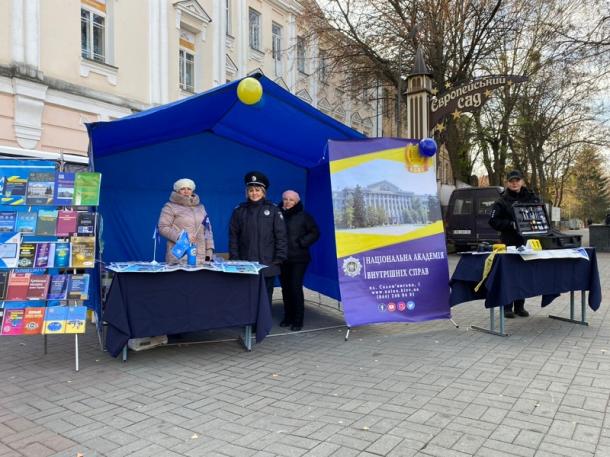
{"x": 215, "y": 139}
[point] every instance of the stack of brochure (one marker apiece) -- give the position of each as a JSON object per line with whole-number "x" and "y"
{"x": 232, "y": 266}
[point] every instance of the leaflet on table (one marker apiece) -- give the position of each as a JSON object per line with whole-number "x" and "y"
{"x": 238, "y": 266}
{"x": 577, "y": 253}
{"x": 148, "y": 267}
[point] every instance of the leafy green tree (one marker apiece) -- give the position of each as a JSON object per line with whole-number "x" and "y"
{"x": 348, "y": 211}
{"x": 359, "y": 208}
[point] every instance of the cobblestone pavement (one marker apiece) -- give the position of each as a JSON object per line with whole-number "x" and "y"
{"x": 424, "y": 389}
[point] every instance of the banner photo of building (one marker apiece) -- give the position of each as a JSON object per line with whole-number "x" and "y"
{"x": 391, "y": 254}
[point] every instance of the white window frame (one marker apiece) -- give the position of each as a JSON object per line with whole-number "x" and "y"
{"x": 254, "y": 29}
{"x": 276, "y": 41}
{"x": 228, "y": 17}
{"x": 183, "y": 67}
{"x": 322, "y": 66}
{"x": 301, "y": 54}
{"x": 103, "y": 58}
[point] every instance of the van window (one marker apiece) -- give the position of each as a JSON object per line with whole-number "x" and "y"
{"x": 485, "y": 206}
{"x": 462, "y": 206}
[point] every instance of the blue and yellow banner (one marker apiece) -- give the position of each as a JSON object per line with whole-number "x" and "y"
{"x": 391, "y": 253}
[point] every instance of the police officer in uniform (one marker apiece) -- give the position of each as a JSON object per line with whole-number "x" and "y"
{"x": 503, "y": 220}
{"x": 257, "y": 231}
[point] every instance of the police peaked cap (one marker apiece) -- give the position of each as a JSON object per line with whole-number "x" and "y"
{"x": 256, "y": 178}
{"x": 514, "y": 174}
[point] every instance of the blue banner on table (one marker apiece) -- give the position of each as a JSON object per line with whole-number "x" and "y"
{"x": 391, "y": 252}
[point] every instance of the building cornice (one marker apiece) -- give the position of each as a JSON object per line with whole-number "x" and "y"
{"x": 289, "y": 6}
{"x": 74, "y": 89}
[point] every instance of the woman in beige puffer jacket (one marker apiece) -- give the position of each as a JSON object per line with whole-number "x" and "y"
{"x": 184, "y": 211}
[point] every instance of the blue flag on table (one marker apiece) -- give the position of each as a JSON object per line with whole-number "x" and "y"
{"x": 182, "y": 245}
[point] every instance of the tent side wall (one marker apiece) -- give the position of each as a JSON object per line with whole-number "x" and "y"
{"x": 137, "y": 183}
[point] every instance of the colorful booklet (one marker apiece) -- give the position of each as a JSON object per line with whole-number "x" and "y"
{"x": 62, "y": 255}
{"x": 55, "y": 319}
{"x": 79, "y": 287}
{"x": 83, "y": 251}
{"x": 64, "y": 189}
{"x": 27, "y": 252}
{"x": 87, "y": 189}
{"x": 47, "y": 222}
{"x": 17, "y": 287}
{"x": 33, "y": 319}
{"x": 14, "y": 190}
{"x": 7, "y": 221}
{"x": 26, "y": 222}
{"x": 40, "y": 188}
{"x": 12, "y": 322}
{"x": 41, "y": 256}
{"x": 76, "y": 320}
{"x": 38, "y": 287}
{"x": 58, "y": 289}
{"x": 3, "y": 281}
{"x": 86, "y": 224}
{"x": 66, "y": 223}
{"x": 9, "y": 250}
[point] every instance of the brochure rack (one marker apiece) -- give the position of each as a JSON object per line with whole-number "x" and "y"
{"x": 48, "y": 228}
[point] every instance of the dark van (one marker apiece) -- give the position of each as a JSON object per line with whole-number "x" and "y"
{"x": 467, "y": 217}
{"x": 467, "y": 222}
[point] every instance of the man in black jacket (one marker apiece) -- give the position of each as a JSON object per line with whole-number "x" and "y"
{"x": 503, "y": 220}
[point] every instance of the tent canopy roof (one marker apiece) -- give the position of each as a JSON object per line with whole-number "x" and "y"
{"x": 287, "y": 127}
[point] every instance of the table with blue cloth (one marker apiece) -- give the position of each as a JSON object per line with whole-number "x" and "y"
{"x": 512, "y": 278}
{"x": 151, "y": 304}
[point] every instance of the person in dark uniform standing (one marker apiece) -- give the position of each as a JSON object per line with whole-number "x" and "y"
{"x": 257, "y": 231}
{"x": 302, "y": 232}
{"x": 503, "y": 220}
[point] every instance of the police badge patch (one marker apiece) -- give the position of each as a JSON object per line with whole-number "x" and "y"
{"x": 352, "y": 266}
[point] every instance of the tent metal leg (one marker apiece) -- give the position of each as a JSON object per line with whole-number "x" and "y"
{"x": 45, "y": 344}
{"x": 454, "y": 323}
{"x": 125, "y": 353}
{"x": 347, "y": 333}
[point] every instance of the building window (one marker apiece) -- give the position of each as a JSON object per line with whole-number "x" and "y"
{"x": 323, "y": 66}
{"x": 276, "y": 47}
{"x": 187, "y": 61}
{"x": 93, "y": 35}
{"x": 228, "y": 16}
{"x": 187, "y": 71}
{"x": 255, "y": 29}
{"x": 301, "y": 54}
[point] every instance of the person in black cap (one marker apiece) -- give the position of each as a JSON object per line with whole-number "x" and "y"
{"x": 503, "y": 220}
{"x": 257, "y": 231}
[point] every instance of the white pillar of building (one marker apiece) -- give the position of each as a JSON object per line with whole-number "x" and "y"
{"x": 154, "y": 62}
{"x": 313, "y": 70}
{"x": 158, "y": 50}
{"x": 25, "y": 33}
{"x": 242, "y": 32}
{"x": 219, "y": 53}
{"x": 164, "y": 28}
{"x": 291, "y": 66}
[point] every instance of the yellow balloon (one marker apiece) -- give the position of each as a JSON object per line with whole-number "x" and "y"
{"x": 249, "y": 91}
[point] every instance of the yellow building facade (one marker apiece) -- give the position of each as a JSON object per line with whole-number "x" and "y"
{"x": 69, "y": 62}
